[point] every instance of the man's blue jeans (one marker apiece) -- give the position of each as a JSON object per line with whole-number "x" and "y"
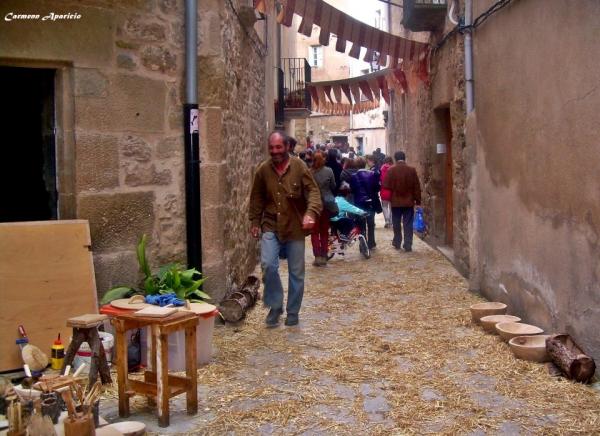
{"x": 269, "y": 261}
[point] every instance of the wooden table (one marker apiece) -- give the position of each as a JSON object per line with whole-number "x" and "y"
{"x": 158, "y": 383}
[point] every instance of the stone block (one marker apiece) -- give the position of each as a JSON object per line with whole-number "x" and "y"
{"x": 116, "y": 269}
{"x": 171, "y": 147}
{"x": 144, "y": 174}
{"x": 209, "y": 31}
{"x": 212, "y": 81}
{"x": 212, "y": 232}
{"x": 213, "y": 184}
{"x": 159, "y": 59}
{"x": 126, "y": 62}
{"x": 90, "y": 83}
{"x": 136, "y": 148}
{"x": 87, "y": 41}
{"x": 216, "y": 279}
{"x": 211, "y": 135}
{"x": 135, "y": 28}
{"x": 134, "y": 103}
{"x": 117, "y": 221}
{"x": 97, "y": 164}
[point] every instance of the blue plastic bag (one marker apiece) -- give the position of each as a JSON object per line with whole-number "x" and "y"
{"x": 419, "y": 225}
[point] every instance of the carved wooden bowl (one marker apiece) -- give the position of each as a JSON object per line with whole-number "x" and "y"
{"x": 532, "y": 348}
{"x": 489, "y": 322}
{"x": 509, "y": 330}
{"x": 480, "y": 310}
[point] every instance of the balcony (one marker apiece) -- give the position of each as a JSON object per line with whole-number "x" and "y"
{"x": 293, "y": 94}
{"x": 424, "y": 15}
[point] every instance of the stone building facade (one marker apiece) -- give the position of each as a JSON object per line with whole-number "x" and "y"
{"x": 520, "y": 168}
{"x": 364, "y": 131}
{"x": 119, "y": 91}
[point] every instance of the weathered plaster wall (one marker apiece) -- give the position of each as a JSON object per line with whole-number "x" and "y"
{"x": 119, "y": 135}
{"x": 537, "y": 164}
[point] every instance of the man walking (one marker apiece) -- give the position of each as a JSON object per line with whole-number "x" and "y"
{"x": 403, "y": 181}
{"x": 284, "y": 204}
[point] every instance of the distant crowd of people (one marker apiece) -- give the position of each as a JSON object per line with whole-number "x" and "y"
{"x": 296, "y": 195}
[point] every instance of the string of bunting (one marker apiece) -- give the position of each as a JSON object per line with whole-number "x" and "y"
{"x": 360, "y": 94}
{"x": 379, "y": 45}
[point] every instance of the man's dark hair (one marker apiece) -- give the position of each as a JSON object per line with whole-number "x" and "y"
{"x": 291, "y": 141}
{"x": 281, "y": 134}
{"x": 399, "y": 155}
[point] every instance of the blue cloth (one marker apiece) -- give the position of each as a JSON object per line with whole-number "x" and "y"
{"x": 164, "y": 300}
{"x": 345, "y": 208}
{"x": 270, "y": 248}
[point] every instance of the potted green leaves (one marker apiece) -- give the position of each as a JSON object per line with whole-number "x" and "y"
{"x": 170, "y": 279}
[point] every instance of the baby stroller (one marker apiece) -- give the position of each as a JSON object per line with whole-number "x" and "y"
{"x": 346, "y": 229}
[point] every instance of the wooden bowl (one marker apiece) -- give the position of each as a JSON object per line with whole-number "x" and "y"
{"x": 509, "y": 330}
{"x": 489, "y": 322}
{"x": 480, "y": 310}
{"x": 532, "y": 348}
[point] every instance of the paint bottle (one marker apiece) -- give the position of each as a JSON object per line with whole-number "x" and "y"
{"x": 58, "y": 354}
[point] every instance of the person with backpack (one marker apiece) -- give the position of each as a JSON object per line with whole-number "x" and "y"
{"x": 365, "y": 191}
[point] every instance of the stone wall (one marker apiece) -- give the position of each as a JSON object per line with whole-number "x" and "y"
{"x": 120, "y": 85}
{"x": 417, "y": 123}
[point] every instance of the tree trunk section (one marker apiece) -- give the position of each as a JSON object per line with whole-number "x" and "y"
{"x": 571, "y": 360}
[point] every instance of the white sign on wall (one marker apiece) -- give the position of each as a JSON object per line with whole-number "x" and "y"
{"x": 441, "y": 148}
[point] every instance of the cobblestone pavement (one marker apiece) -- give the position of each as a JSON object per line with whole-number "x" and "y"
{"x": 384, "y": 346}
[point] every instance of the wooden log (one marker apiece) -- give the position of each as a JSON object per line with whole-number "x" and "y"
{"x": 570, "y": 358}
{"x": 231, "y": 310}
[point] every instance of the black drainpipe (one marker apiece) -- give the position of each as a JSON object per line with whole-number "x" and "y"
{"x": 192, "y": 140}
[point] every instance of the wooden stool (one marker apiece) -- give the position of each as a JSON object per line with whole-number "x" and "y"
{"x": 85, "y": 329}
{"x": 158, "y": 383}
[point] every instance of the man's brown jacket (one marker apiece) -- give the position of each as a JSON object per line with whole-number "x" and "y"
{"x": 278, "y": 203}
{"x": 403, "y": 181}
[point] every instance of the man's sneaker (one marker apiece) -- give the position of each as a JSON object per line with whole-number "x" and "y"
{"x": 396, "y": 246}
{"x": 408, "y": 250}
{"x": 291, "y": 320}
{"x": 273, "y": 317}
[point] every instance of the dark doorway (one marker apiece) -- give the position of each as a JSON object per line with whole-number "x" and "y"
{"x": 448, "y": 180}
{"x": 28, "y": 164}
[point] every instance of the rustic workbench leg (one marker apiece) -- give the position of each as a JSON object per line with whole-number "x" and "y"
{"x": 191, "y": 362}
{"x": 121, "y": 346}
{"x": 162, "y": 375}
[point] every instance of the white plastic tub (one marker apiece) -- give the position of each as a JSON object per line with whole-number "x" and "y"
{"x": 204, "y": 333}
{"x": 84, "y": 354}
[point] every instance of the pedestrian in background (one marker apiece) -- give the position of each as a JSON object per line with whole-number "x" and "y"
{"x": 365, "y": 193}
{"x": 403, "y": 181}
{"x": 386, "y": 194}
{"x": 319, "y": 237}
{"x": 284, "y": 204}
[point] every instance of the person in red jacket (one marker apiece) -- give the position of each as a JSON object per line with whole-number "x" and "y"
{"x": 404, "y": 183}
{"x": 386, "y": 194}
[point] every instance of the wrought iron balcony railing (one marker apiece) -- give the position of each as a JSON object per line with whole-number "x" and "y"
{"x": 293, "y": 96}
{"x": 424, "y": 15}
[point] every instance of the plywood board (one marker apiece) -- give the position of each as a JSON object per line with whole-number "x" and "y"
{"x": 46, "y": 277}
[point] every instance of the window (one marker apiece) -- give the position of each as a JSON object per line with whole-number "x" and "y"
{"x": 378, "y": 22}
{"x": 315, "y": 56}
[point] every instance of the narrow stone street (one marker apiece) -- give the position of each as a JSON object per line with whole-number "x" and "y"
{"x": 384, "y": 346}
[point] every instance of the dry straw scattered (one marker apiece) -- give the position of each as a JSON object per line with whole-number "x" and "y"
{"x": 395, "y": 327}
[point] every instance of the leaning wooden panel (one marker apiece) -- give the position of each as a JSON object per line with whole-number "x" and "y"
{"x": 46, "y": 277}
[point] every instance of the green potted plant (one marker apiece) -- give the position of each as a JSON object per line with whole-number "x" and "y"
{"x": 172, "y": 278}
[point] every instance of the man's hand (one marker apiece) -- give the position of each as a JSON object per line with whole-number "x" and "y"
{"x": 255, "y": 231}
{"x": 308, "y": 222}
